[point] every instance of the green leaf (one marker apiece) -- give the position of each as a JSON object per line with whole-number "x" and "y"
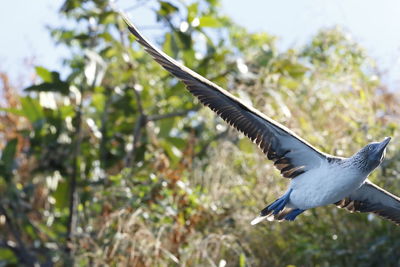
{"x": 167, "y": 8}
{"x": 177, "y": 142}
{"x": 52, "y": 82}
{"x": 208, "y": 21}
{"x": 7, "y": 159}
{"x": 167, "y": 47}
{"x": 192, "y": 11}
{"x": 242, "y": 260}
{"x": 61, "y": 195}
{"x": 107, "y": 17}
{"x": 70, "y": 5}
{"x": 49, "y": 231}
{"x": 172, "y": 151}
{"x": 31, "y": 109}
{"x": 166, "y": 126}
{"x": 185, "y": 40}
{"x": 43, "y": 73}
{"x": 6, "y": 255}
{"x": 98, "y": 100}
{"x": 59, "y": 87}
{"x": 13, "y": 111}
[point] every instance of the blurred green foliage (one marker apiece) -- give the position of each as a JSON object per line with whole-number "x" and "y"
{"x": 117, "y": 165}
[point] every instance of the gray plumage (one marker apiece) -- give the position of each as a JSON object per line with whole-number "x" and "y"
{"x": 320, "y": 179}
{"x": 371, "y": 198}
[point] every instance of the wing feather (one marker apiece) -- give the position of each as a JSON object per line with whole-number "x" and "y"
{"x": 371, "y": 198}
{"x": 291, "y": 154}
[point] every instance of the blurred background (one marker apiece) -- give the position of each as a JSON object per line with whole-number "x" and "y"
{"x": 106, "y": 160}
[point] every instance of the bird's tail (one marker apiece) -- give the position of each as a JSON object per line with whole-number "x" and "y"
{"x": 278, "y": 210}
{"x": 270, "y": 216}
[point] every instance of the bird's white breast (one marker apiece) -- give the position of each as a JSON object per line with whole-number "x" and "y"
{"x": 324, "y": 185}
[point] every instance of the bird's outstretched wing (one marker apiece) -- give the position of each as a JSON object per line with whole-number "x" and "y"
{"x": 291, "y": 154}
{"x": 371, "y": 198}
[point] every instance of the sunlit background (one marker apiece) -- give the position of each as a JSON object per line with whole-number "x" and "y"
{"x": 107, "y": 160}
{"x": 373, "y": 24}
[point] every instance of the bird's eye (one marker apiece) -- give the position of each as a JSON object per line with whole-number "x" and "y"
{"x": 370, "y": 148}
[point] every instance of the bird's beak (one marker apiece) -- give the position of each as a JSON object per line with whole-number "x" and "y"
{"x": 384, "y": 143}
{"x": 382, "y": 147}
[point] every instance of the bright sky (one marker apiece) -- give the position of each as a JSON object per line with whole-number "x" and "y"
{"x": 374, "y": 24}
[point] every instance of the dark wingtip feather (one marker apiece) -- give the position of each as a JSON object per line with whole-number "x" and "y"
{"x": 131, "y": 27}
{"x": 353, "y": 205}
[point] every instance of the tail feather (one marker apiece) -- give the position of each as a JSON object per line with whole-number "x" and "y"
{"x": 277, "y": 210}
{"x": 269, "y": 209}
{"x": 258, "y": 219}
{"x": 270, "y": 216}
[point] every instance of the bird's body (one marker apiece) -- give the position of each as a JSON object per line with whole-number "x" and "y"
{"x": 326, "y": 184}
{"x": 317, "y": 179}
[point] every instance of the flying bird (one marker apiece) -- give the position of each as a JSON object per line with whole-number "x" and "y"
{"x": 317, "y": 179}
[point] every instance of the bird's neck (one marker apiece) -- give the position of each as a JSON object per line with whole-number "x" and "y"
{"x": 359, "y": 164}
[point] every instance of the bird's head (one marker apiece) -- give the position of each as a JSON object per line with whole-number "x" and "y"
{"x": 372, "y": 155}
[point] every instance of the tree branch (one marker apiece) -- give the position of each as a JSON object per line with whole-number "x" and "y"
{"x": 140, "y": 123}
{"x": 3, "y": 244}
{"x": 103, "y": 129}
{"x": 23, "y": 255}
{"x": 73, "y": 195}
